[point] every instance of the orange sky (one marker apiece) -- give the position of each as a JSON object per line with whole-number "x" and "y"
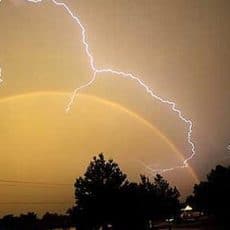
{"x": 41, "y": 143}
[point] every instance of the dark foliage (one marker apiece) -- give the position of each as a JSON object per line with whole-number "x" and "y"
{"x": 213, "y": 196}
{"x": 104, "y": 197}
{"x": 24, "y": 221}
{"x": 97, "y": 193}
{"x": 30, "y": 221}
{"x": 54, "y": 220}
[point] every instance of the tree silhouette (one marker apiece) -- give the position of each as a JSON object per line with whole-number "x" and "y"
{"x": 158, "y": 199}
{"x": 167, "y": 197}
{"x": 213, "y": 196}
{"x": 96, "y": 193}
{"x": 105, "y": 197}
{"x": 24, "y": 221}
{"x": 54, "y": 221}
{"x": 9, "y": 222}
{"x": 28, "y": 221}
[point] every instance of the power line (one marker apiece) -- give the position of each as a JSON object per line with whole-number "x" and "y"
{"x": 36, "y": 203}
{"x": 33, "y": 183}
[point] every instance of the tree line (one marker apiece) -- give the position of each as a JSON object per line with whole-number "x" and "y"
{"x": 30, "y": 221}
{"x": 106, "y": 199}
{"x": 213, "y": 195}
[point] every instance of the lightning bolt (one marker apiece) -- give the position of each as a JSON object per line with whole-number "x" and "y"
{"x": 228, "y": 147}
{"x": 116, "y": 73}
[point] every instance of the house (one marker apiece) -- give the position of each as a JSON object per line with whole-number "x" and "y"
{"x": 189, "y": 214}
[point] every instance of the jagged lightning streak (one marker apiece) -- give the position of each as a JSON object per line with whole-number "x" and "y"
{"x": 228, "y": 147}
{"x": 116, "y": 73}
